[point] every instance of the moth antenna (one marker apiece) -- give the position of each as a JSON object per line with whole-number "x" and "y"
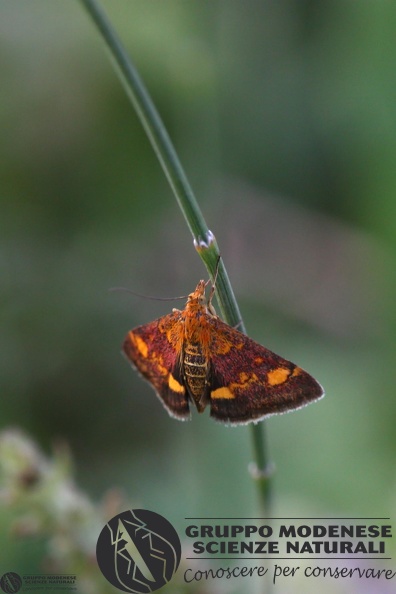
{"x": 154, "y": 298}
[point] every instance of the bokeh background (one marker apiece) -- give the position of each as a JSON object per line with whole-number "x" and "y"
{"x": 284, "y": 116}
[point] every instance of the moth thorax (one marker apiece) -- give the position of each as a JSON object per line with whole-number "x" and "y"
{"x": 195, "y": 372}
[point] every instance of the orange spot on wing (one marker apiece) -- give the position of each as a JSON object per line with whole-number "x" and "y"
{"x": 140, "y": 344}
{"x": 278, "y": 376}
{"x": 245, "y": 378}
{"x": 175, "y": 386}
{"x": 222, "y": 392}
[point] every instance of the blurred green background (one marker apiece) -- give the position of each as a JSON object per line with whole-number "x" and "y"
{"x": 284, "y": 116}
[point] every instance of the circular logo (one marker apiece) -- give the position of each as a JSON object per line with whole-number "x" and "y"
{"x": 10, "y": 582}
{"x": 138, "y": 551}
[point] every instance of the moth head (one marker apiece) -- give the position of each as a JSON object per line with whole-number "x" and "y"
{"x": 198, "y": 296}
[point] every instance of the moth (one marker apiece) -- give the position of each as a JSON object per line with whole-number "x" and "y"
{"x": 191, "y": 357}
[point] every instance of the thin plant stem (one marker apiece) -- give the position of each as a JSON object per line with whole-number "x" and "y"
{"x": 204, "y": 240}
